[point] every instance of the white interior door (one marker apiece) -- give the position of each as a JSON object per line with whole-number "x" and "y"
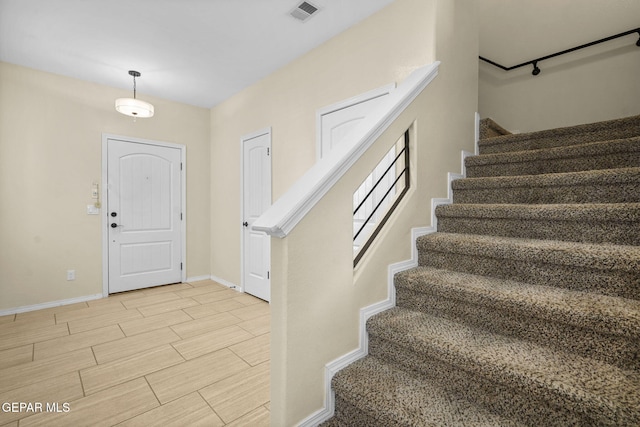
{"x": 338, "y": 124}
{"x": 336, "y": 121}
{"x": 334, "y": 124}
{"x": 256, "y": 198}
{"x": 144, "y": 214}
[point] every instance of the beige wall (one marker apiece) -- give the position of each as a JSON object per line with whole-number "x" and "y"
{"x": 50, "y": 153}
{"x": 382, "y": 49}
{"x": 316, "y": 293}
{"x": 593, "y": 84}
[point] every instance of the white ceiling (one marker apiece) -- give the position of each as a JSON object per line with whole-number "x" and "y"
{"x": 201, "y": 52}
{"x": 198, "y": 52}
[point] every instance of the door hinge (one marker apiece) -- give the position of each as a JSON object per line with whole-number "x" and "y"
{"x": 180, "y": 216}
{"x": 180, "y": 165}
{"x": 268, "y": 149}
{"x": 267, "y": 274}
{"x": 180, "y": 266}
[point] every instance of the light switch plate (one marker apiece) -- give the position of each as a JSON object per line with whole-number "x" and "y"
{"x": 92, "y": 210}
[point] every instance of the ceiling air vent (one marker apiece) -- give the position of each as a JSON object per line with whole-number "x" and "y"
{"x": 303, "y": 11}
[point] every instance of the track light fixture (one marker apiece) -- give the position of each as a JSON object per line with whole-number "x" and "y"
{"x": 536, "y": 70}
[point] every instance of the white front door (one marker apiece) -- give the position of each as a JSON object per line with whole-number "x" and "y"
{"x": 144, "y": 215}
{"x": 256, "y": 198}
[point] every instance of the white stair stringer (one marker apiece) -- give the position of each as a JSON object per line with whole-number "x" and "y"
{"x": 341, "y": 362}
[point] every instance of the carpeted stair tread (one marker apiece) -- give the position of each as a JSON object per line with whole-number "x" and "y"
{"x": 602, "y": 313}
{"x": 602, "y": 268}
{"x": 570, "y": 135}
{"x": 585, "y": 323}
{"x": 388, "y": 396}
{"x": 602, "y": 391}
{"x": 590, "y": 156}
{"x": 617, "y": 223}
{"x": 601, "y": 186}
{"x": 489, "y": 129}
{"x": 575, "y": 254}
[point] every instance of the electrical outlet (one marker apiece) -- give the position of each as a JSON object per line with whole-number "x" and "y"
{"x": 71, "y": 275}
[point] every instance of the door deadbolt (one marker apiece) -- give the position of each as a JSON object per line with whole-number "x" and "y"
{"x": 113, "y": 214}
{"x": 114, "y": 225}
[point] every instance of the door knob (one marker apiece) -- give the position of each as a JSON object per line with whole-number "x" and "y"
{"x": 114, "y": 225}
{"x": 246, "y": 224}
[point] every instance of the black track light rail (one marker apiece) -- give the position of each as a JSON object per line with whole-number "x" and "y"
{"x": 534, "y": 62}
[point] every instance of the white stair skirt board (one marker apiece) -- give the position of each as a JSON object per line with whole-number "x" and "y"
{"x": 50, "y": 304}
{"x": 334, "y": 366}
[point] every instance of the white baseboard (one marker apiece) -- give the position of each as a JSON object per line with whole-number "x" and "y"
{"x": 341, "y": 362}
{"x": 225, "y": 283}
{"x": 197, "y": 278}
{"x": 50, "y": 304}
{"x": 477, "y": 132}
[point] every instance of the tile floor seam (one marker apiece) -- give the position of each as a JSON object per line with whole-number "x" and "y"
{"x": 192, "y": 318}
{"x": 243, "y": 415}
{"x": 152, "y": 391}
{"x": 84, "y": 393}
{"x": 254, "y": 335}
{"x": 230, "y": 349}
{"x": 209, "y": 404}
{"x": 139, "y": 312}
{"x": 177, "y": 351}
{"x": 121, "y": 330}
{"x": 94, "y": 355}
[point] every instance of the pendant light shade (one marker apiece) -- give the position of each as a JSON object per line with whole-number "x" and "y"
{"x": 134, "y": 107}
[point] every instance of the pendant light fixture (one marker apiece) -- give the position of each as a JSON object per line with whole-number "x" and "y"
{"x": 134, "y": 107}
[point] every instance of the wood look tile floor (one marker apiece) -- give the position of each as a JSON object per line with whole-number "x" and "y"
{"x": 191, "y": 354}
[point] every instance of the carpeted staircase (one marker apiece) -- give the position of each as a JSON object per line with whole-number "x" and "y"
{"x": 525, "y": 306}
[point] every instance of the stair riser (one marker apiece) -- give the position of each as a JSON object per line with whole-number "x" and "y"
{"x": 620, "y": 233}
{"x": 613, "y": 283}
{"x": 592, "y": 193}
{"x": 375, "y": 393}
{"x": 526, "y": 406}
{"x": 494, "y": 317}
{"x": 560, "y": 165}
{"x": 349, "y": 416}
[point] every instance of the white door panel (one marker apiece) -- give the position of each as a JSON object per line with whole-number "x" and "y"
{"x": 144, "y": 204}
{"x": 335, "y": 123}
{"x": 256, "y": 194}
